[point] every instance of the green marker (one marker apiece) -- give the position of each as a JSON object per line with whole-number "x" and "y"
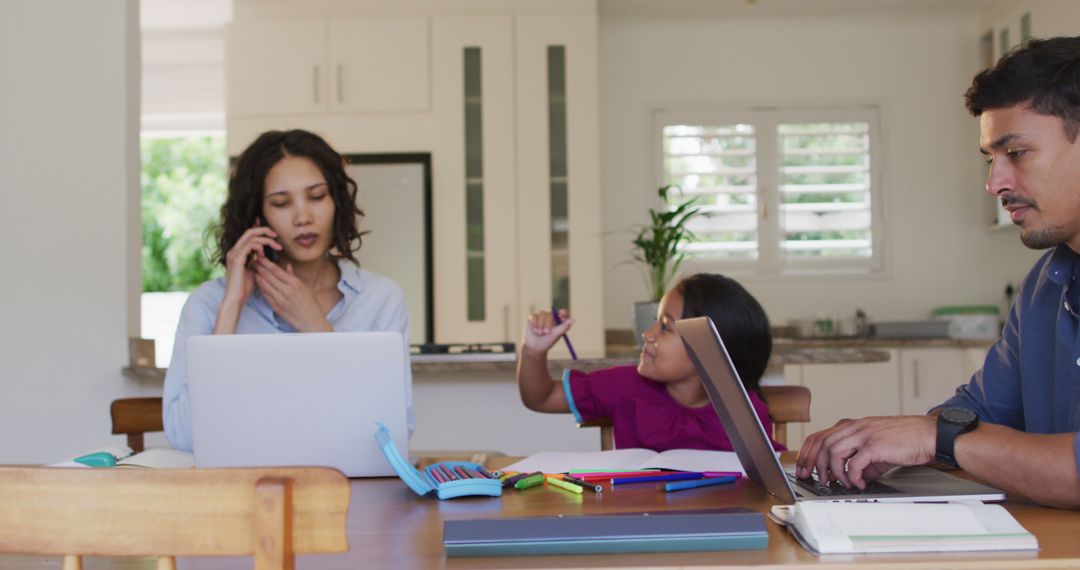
{"x": 532, "y": 480}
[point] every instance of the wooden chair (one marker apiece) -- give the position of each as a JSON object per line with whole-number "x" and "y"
{"x": 270, "y": 513}
{"x": 134, "y": 417}
{"x": 786, "y": 404}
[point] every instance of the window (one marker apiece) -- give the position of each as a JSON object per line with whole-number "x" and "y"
{"x": 183, "y": 188}
{"x": 780, "y": 191}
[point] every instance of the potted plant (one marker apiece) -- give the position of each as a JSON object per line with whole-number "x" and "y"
{"x": 660, "y": 246}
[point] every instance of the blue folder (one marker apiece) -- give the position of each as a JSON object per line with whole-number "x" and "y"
{"x": 662, "y": 531}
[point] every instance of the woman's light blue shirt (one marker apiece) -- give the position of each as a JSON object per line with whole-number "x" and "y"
{"x": 369, "y": 302}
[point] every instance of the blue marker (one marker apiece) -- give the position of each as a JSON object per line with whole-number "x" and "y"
{"x": 558, "y": 321}
{"x": 680, "y": 485}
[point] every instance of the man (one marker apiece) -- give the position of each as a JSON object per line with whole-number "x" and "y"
{"x": 1015, "y": 423}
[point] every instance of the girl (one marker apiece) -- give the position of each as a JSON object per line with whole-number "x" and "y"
{"x": 661, "y": 404}
{"x": 287, "y": 236}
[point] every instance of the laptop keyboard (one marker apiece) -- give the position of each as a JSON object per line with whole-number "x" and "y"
{"x": 837, "y": 488}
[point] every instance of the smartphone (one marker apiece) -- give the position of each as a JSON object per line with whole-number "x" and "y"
{"x": 270, "y": 253}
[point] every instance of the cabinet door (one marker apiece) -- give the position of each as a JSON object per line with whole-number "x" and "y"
{"x": 974, "y": 358}
{"x": 378, "y": 65}
{"x": 276, "y": 67}
{"x": 473, "y": 170}
{"x": 928, "y": 377}
{"x": 558, "y": 172}
{"x": 839, "y": 391}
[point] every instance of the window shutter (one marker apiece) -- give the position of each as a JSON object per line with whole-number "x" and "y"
{"x": 824, "y": 185}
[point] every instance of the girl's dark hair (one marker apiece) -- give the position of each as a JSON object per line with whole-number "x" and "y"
{"x": 244, "y": 204}
{"x": 738, "y": 317}
{"x": 1043, "y": 73}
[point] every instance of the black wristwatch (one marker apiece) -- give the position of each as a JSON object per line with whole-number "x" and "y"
{"x": 952, "y": 422}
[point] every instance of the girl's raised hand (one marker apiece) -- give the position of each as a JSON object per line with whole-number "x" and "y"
{"x": 541, "y": 332}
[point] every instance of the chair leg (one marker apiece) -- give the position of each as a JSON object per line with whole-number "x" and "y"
{"x": 72, "y": 562}
{"x": 607, "y": 438}
{"x": 135, "y": 442}
{"x": 166, "y": 563}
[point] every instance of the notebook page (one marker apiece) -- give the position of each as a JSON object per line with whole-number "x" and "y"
{"x": 894, "y": 519}
{"x": 159, "y": 458}
{"x": 696, "y": 460}
{"x": 561, "y": 462}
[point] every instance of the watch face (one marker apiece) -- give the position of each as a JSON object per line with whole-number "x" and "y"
{"x": 958, "y": 415}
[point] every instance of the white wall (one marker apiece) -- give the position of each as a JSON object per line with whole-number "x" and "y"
{"x": 917, "y": 66}
{"x": 68, "y": 175}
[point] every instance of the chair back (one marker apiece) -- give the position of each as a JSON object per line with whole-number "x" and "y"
{"x": 786, "y": 404}
{"x": 134, "y": 417}
{"x": 269, "y": 513}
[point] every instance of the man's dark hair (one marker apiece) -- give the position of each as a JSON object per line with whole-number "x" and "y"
{"x": 738, "y": 317}
{"x": 244, "y": 204}
{"x": 1043, "y": 73}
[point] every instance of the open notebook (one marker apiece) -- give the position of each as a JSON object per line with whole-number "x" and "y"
{"x": 629, "y": 459}
{"x": 833, "y": 528}
{"x": 153, "y": 458}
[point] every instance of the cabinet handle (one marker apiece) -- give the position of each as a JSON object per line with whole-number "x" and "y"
{"x": 915, "y": 371}
{"x": 315, "y": 82}
{"x": 340, "y": 88}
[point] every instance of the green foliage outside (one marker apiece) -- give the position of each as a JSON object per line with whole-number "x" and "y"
{"x": 183, "y": 188}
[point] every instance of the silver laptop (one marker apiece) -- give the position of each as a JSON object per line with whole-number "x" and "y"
{"x": 747, "y": 435}
{"x": 297, "y": 399}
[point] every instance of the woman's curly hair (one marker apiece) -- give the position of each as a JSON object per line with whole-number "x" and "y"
{"x": 244, "y": 203}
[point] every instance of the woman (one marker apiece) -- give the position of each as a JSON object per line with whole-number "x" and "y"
{"x": 287, "y": 236}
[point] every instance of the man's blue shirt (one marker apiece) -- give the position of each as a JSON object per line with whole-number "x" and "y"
{"x": 1031, "y": 378}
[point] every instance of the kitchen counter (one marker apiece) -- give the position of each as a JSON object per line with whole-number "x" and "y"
{"x": 783, "y": 354}
{"x": 883, "y": 343}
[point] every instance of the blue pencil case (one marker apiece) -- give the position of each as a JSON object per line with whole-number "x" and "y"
{"x": 438, "y": 478}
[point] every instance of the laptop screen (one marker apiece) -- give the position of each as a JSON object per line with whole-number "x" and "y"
{"x": 732, "y": 404}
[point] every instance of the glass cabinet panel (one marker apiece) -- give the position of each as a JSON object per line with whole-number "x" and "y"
{"x": 557, "y": 171}
{"x": 474, "y": 186}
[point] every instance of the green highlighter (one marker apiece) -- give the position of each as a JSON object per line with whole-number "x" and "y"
{"x": 530, "y": 481}
{"x": 99, "y": 459}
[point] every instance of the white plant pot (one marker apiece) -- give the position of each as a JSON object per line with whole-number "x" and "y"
{"x": 644, "y": 317}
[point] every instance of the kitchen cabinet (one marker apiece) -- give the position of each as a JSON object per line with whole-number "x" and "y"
{"x": 517, "y": 171}
{"x": 507, "y": 105}
{"x": 314, "y": 66}
{"x": 474, "y": 170}
{"x": 558, "y": 214}
{"x": 928, "y": 377}
{"x": 914, "y": 380}
{"x": 839, "y": 391}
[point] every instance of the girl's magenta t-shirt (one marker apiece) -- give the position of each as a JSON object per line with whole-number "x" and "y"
{"x": 644, "y": 415}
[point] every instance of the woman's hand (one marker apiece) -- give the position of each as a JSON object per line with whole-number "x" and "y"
{"x": 290, "y": 297}
{"x": 239, "y": 277}
{"x": 541, "y": 332}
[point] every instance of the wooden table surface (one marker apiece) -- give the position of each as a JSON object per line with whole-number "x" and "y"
{"x": 390, "y": 527}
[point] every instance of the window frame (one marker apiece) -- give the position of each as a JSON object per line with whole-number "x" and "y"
{"x": 765, "y": 120}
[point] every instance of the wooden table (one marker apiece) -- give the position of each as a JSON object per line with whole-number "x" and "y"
{"x": 390, "y": 527}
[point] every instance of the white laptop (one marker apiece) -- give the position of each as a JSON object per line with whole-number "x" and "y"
{"x": 747, "y": 435}
{"x": 297, "y": 399}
